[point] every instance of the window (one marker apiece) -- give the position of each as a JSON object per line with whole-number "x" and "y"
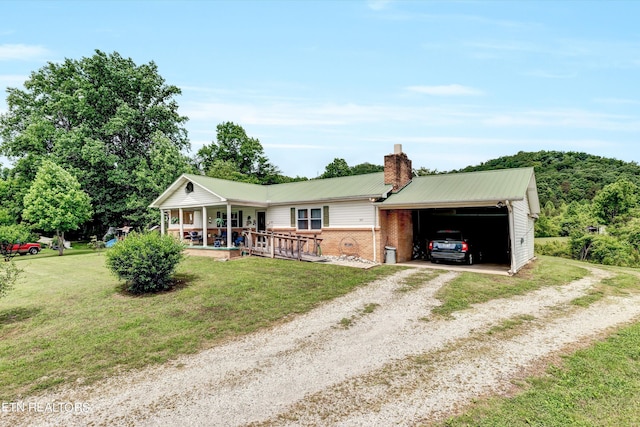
{"x": 187, "y": 217}
{"x": 221, "y": 219}
{"x": 236, "y": 219}
{"x": 316, "y": 219}
{"x": 189, "y": 188}
{"x": 310, "y": 219}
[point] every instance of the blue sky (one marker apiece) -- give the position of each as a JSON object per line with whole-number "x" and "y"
{"x": 455, "y": 82}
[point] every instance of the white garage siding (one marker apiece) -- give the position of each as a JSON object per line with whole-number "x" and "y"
{"x": 523, "y": 233}
{"x": 341, "y": 215}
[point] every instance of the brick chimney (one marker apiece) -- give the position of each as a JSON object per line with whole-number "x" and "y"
{"x": 397, "y": 169}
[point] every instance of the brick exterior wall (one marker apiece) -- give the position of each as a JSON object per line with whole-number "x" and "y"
{"x": 398, "y": 232}
{"x": 351, "y": 242}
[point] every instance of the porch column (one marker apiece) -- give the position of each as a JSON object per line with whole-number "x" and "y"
{"x": 181, "y": 237}
{"x": 205, "y": 227}
{"x": 162, "y": 232}
{"x": 229, "y": 228}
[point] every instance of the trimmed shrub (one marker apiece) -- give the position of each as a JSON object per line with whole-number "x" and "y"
{"x": 146, "y": 261}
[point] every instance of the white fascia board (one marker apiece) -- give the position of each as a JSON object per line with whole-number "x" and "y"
{"x": 444, "y": 204}
{"x": 248, "y": 203}
{"x": 326, "y": 200}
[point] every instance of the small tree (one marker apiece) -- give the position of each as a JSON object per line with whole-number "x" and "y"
{"x": 55, "y": 202}
{"x": 146, "y": 261}
{"x": 8, "y": 275}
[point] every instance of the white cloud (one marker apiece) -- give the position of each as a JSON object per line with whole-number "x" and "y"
{"x": 446, "y": 90}
{"x": 324, "y": 115}
{"x": 378, "y": 4}
{"x": 565, "y": 118}
{"x": 299, "y": 146}
{"x": 21, "y": 52}
{"x": 12, "y": 80}
{"x": 487, "y": 142}
{"x": 448, "y": 140}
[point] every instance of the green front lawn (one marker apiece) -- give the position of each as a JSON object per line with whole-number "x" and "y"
{"x": 68, "y": 318}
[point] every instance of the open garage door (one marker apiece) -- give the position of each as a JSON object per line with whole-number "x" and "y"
{"x": 486, "y": 227}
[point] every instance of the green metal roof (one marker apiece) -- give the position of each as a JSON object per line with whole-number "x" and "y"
{"x": 471, "y": 188}
{"x": 463, "y": 188}
{"x": 342, "y": 188}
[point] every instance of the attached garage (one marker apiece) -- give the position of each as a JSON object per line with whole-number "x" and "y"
{"x": 487, "y": 228}
{"x": 494, "y": 209}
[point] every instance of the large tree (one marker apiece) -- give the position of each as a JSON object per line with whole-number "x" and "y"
{"x": 338, "y": 167}
{"x": 614, "y": 200}
{"x": 107, "y": 121}
{"x": 55, "y": 202}
{"x": 233, "y": 148}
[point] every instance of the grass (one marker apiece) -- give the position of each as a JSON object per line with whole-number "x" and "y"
{"x": 509, "y": 324}
{"x": 347, "y": 322}
{"x": 471, "y": 288}
{"x": 418, "y": 279}
{"x": 598, "y": 386}
{"x": 620, "y": 284}
{"x": 543, "y": 240}
{"x": 69, "y": 320}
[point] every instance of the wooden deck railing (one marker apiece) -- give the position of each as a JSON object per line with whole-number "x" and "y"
{"x": 281, "y": 245}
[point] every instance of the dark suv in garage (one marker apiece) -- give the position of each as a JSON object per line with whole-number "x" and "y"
{"x": 451, "y": 245}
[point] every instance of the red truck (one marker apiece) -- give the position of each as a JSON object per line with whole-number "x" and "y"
{"x": 26, "y": 248}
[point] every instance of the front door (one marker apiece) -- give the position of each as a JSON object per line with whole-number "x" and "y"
{"x": 262, "y": 221}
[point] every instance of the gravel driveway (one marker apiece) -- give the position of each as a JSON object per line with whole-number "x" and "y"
{"x": 374, "y": 357}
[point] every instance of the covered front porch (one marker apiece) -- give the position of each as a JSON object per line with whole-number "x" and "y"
{"x": 215, "y": 230}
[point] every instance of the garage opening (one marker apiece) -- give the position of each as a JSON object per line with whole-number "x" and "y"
{"x": 487, "y": 228}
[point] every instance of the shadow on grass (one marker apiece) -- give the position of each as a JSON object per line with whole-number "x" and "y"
{"x": 18, "y": 314}
{"x": 180, "y": 281}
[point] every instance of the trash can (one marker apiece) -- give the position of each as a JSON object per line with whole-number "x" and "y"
{"x": 389, "y": 255}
